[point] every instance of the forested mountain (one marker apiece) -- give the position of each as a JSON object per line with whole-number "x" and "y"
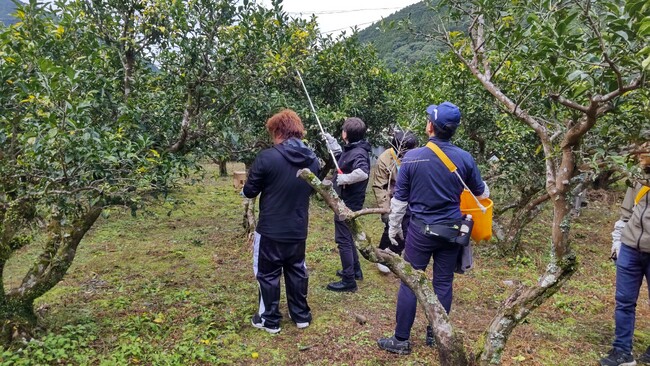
{"x": 398, "y": 45}
{"x": 7, "y": 7}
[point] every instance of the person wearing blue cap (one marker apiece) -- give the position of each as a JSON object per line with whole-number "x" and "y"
{"x": 432, "y": 194}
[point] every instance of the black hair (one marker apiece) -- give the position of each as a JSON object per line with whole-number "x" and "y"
{"x": 444, "y": 133}
{"x": 355, "y": 129}
{"x": 404, "y": 141}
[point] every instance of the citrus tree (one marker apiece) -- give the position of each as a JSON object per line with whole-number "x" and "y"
{"x": 558, "y": 68}
{"x": 67, "y": 149}
{"x": 109, "y": 103}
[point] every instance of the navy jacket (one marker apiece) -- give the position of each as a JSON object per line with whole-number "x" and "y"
{"x": 354, "y": 156}
{"x": 432, "y": 191}
{"x": 284, "y": 203}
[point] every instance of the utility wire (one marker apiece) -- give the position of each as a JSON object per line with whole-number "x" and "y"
{"x": 350, "y": 26}
{"x": 317, "y": 12}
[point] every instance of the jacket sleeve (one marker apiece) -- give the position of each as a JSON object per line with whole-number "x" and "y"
{"x": 403, "y": 184}
{"x": 362, "y": 161}
{"x": 255, "y": 181}
{"x": 628, "y": 203}
{"x": 380, "y": 182}
{"x": 473, "y": 179}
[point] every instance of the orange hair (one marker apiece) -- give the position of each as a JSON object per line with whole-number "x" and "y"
{"x": 285, "y": 124}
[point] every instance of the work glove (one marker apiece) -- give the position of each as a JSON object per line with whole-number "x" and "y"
{"x": 486, "y": 192}
{"x": 616, "y": 239}
{"x": 356, "y": 176}
{"x": 332, "y": 144}
{"x": 397, "y": 212}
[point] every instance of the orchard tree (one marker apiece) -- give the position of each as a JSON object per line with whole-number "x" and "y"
{"x": 558, "y": 68}
{"x": 65, "y": 154}
{"x": 343, "y": 77}
{"x": 101, "y": 109}
{"x": 507, "y": 152}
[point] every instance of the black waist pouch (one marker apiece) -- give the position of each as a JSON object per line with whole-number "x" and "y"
{"x": 447, "y": 231}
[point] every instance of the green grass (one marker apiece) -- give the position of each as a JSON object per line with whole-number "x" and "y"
{"x": 178, "y": 289}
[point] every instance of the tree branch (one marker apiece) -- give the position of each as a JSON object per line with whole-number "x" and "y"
{"x": 568, "y": 103}
{"x": 450, "y": 344}
{"x": 59, "y": 252}
{"x": 520, "y": 304}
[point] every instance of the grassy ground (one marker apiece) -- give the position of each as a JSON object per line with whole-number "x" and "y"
{"x": 179, "y": 290}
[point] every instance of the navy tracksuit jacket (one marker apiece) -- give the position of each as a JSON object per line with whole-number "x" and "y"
{"x": 281, "y": 231}
{"x": 354, "y": 156}
{"x": 433, "y": 194}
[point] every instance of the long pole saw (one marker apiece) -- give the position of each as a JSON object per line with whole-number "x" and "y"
{"x": 322, "y": 131}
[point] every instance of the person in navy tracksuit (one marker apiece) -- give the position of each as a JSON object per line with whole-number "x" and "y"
{"x": 354, "y": 162}
{"x": 281, "y": 232}
{"x": 432, "y": 194}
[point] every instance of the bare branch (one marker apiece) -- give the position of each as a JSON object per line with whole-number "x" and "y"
{"x": 601, "y": 42}
{"x": 450, "y": 344}
{"x": 568, "y": 103}
{"x": 185, "y": 128}
{"x": 635, "y": 84}
{"x": 365, "y": 211}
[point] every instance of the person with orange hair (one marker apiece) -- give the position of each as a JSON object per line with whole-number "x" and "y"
{"x": 281, "y": 232}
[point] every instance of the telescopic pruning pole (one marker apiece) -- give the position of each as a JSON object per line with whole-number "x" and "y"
{"x": 319, "y": 124}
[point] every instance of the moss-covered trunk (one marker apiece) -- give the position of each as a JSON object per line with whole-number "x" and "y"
{"x": 223, "y": 168}
{"x": 16, "y": 305}
{"x": 450, "y": 344}
{"x": 18, "y": 321}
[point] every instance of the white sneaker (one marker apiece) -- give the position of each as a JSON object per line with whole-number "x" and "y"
{"x": 258, "y": 323}
{"x": 382, "y": 268}
{"x": 300, "y": 325}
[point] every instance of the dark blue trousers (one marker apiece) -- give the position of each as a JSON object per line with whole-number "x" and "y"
{"x": 347, "y": 250}
{"x": 418, "y": 251}
{"x": 631, "y": 266}
{"x": 270, "y": 260}
{"x": 385, "y": 243}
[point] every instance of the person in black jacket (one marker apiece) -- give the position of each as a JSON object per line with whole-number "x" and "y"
{"x": 281, "y": 232}
{"x": 354, "y": 162}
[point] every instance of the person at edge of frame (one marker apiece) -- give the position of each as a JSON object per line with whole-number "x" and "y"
{"x": 281, "y": 232}
{"x": 432, "y": 193}
{"x": 631, "y": 252}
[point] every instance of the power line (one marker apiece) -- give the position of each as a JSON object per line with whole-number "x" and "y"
{"x": 320, "y": 12}
{"x": 350, "y": 26}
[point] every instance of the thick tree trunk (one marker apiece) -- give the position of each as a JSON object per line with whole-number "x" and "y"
{"x": 56, "y": 258}
{"x": 223, "y": 171}
{"x": 526, "y": 299}
{"x": 128, "y": 64}
{"x": 18, "y": 322}
{"x": 450, "y": 344}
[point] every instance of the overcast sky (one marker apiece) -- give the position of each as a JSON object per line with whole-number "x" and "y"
{"x": 337, "y": 15}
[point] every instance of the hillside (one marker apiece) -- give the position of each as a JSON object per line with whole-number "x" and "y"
{"x": 7, "y": 7}
{"x": 397, "y": 45}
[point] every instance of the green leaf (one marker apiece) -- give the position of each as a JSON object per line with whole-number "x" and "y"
{"x": 622, "y": 34}
{"x": 645, "y": 63}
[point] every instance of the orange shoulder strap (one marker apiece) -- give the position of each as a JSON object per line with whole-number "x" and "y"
{"x": 397, "y": 161}
{"x": 445, "y": 159}
{"x": 642, "y": 192}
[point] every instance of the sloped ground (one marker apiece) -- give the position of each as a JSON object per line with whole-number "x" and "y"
{"x": 179, "y": 290}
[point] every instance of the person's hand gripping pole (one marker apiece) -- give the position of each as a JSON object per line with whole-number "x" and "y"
{"x": 323, "y": 134}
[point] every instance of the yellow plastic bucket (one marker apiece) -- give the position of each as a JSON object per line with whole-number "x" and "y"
{"x": 482, "y": 229}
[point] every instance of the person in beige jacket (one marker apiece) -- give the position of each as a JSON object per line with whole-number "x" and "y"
{"x": 631, "y": 251}
{"x": 383, "y": 183}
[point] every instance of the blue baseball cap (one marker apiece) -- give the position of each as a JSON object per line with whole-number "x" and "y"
{"x": 445, "y": 115}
